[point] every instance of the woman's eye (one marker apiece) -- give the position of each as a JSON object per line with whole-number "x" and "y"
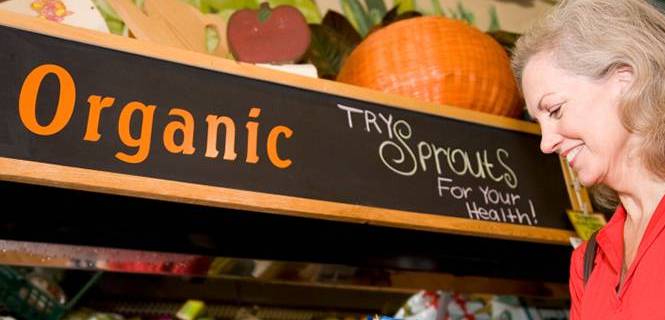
{"x": 555, "y": 111}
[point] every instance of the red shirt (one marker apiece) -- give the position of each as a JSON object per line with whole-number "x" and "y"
{"x": 643, "y": 293}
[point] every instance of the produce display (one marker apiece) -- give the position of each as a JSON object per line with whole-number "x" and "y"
{"x": 435, "y": 305}
{"x": 439, "y": 60}
{"x": 279, "y": 35}
{"x": 423, "y": 305}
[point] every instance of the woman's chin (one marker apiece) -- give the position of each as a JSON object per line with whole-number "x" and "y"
{"x": 588, "y": 180}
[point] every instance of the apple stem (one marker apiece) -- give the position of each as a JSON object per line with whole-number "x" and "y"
{"x": 264, "y": 12}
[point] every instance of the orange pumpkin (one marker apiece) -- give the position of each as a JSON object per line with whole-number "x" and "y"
{"x": 438, "y": 60}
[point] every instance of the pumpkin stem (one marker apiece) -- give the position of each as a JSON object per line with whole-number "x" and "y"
{"x": 264, "y": 12}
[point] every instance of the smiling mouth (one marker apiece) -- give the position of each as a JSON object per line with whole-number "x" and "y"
{"x": 572, "y": 154}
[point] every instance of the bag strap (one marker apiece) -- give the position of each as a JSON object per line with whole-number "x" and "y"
{"x": 590, "y": 256}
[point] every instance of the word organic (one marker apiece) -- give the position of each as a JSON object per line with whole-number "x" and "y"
{"x": 182, "y": 125}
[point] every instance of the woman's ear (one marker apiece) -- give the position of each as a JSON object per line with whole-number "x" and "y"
{"x": 624, "y": 76}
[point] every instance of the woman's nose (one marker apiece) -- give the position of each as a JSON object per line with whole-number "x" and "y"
{"x": 549, "y": 142}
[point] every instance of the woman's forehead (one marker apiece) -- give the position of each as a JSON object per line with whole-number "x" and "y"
{"x": 540, "y": 77}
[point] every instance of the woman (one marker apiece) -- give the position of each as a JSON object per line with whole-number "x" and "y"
{"x": 593, "y": 75}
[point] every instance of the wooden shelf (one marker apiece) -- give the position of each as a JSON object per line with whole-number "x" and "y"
{"x": 209, "y": 231}
{"x": 264, "y": 273}
{"x": 306, "y": 160}
{"x": 118, "y": 287}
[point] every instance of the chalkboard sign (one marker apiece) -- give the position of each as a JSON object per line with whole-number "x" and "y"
{"x": 104, "y": 113}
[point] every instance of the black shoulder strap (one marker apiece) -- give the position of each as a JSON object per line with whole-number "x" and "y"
{"x": 590, "y": 256}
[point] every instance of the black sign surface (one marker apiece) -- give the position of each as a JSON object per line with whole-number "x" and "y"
{"x": 68, "y": 103}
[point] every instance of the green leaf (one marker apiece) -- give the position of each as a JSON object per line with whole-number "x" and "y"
{"x": 377, "y": 6}
{"x": 357, "y": 16}
{"x": 390, "y": 16}
{"x": 106, "y": 10}
{"x": 328, "y": 50}
{"x": 405, "y": 5}
{"x": 494, "y": 20}
{"x": 505, "y": 38}
{"x": 202, "y": 5}
{"x": 212, "y": 39}
{"x": 341, "y": 25}
{"x": 226, "y": 14}
{"x": 194, "y": 3}
{"x": 375, "y": 16}
{"x": 408, "y": 15}
{"x": 225, "y": 8}
{"x": 112, "y": 19}
{"x": 115, "y": 26}
{"x": 219, "y": 5}
{"x": 453, "y": 14}
{"x": 465, "y": 14}
{"x": 264, "y": 12}
{"x": 437, "y": 8}
{"x": 308, "y": 8}
{"x": 401, "y": 16}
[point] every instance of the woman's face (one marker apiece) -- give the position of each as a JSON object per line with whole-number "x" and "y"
{"x": 579, "y": 118}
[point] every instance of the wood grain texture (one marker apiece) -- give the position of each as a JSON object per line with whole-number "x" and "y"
{"x": 172, "y": 23}
{"x": 135, "y": 186}
{"x": 579, "y": 202}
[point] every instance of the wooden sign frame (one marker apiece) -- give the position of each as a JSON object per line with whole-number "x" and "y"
{"x": 137, "y": 186}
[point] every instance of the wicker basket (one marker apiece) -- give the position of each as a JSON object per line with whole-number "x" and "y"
{"x": 437, "y": 60}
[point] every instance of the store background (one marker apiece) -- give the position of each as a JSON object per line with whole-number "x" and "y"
{"x": 138, "y": 288}
{"x": 514, "y": 15}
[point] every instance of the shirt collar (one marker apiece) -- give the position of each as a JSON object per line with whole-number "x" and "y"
{"x": 610, "y": 238}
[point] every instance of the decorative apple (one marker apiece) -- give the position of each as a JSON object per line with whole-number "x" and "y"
{"x": 266, "y": 35}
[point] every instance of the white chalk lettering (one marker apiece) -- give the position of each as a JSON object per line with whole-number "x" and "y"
{"x": 349, "y": 110}
{"x": 437, "y": 151}
{"x": 456, "y": 191}
{"x": 502, "y": 214}
{"x": 492, "y": 196}
{"x": 406, "y": 157}
{"x": 402, "y": 130}
{"x": 509, "y": 176}
{"x": 422, "y": 155}
{"x": 388, "y": 122}
{"x": 370, "y": 117}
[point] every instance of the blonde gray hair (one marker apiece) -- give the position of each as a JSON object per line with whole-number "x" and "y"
{"x": 595, "y": 37}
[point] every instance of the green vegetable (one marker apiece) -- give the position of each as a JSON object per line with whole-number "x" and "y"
{"x": 356, "y": 14}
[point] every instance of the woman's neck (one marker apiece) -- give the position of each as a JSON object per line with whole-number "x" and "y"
{"x": 640, "y": 197}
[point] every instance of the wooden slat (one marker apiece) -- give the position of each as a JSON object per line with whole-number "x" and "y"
{"x": 122, "y": 184}
{"x": 579, "y": 199}
{"x": 145, "y": 27}
{"x": 172, "y": 23}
